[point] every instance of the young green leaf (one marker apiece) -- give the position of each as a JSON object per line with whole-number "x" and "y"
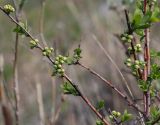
{"x": 126, "y": 116}
{"x": 75, "y": 58}
{"x": 143, "y": 85}
{"x": 155, "y": 15}
{"x": 20, "y": 29}
{"x": 155, "y": 72}
{"x": 100, "y": 105}
{"x": 69, "y": 89}
{"x": 98, "y": 122}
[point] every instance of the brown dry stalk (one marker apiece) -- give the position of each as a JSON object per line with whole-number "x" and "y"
{"x": 40, "y": 103}
{"x": 7, "y": 115}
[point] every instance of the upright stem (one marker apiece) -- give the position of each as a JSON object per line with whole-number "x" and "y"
{"x": 87, "y": 101}
{"x": 147, "y": 67}
{"x": 40, "y": 103}
{"x": 16, "y": 84}
{"x": 15, "y": 69}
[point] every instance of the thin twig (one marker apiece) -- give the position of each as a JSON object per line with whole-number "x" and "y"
{"x": 130, "y": 103}
{"x": 115, "y": 65}
{"x": 15, "y": 69}
{"x": 146, "y": 72}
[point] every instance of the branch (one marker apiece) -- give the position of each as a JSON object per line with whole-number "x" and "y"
{"x": 130, "y": 103}
{"x": 115, "y": 65}
{"x": 15, "y": 69}
{"x": 65, "y": 76}
{"x": 146, "y": 72}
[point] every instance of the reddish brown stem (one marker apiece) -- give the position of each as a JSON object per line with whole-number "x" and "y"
{"x": 147, "y": 66}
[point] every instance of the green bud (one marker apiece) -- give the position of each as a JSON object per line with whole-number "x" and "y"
{"x": 61, "y": 61}
{"x": 137, "y": 66}
{"x": 135, "y": 48}
{"x": 64, "y": 58}
{"x": 134, "y": 73}
{"x": 46, "y": 48}
{"x": 60, "y": 56}
{"x": 56, "y": 62}
{"x": 142, "y": 63}
{"x": 125, "y": 34}
{"x": 130, "y": 36}
{"x": 128, "y": 60}
{"x": 139, "y": 49}
{"x": 59, "y": 70}
{"x": 63, "y": 70}
{"x": 55, "y": 66}
{"x": 111, "y": 117}
{"x": 137, "y": 62}
{"x": 129, "y": 48}
{"x": 57, "y": 58}
{"x": 123, "y": 39}
{"x": 44, "y": 54}
{"x": 129, "y": 64}
{"x": 59, "y": 66}
{"x": 118, "y": 114}
{"x": 8, "y": 8}
{"x": 129, "y": 41}
{"x": 76, "y": 56}
{"x": 33, "y": 43}
{"x": 114, "y": 113}
{"x": 51, "y": 49}
{"x": 138, "y": 45}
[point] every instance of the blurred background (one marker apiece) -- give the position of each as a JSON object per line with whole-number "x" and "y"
{"x": 64, "y": 24}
